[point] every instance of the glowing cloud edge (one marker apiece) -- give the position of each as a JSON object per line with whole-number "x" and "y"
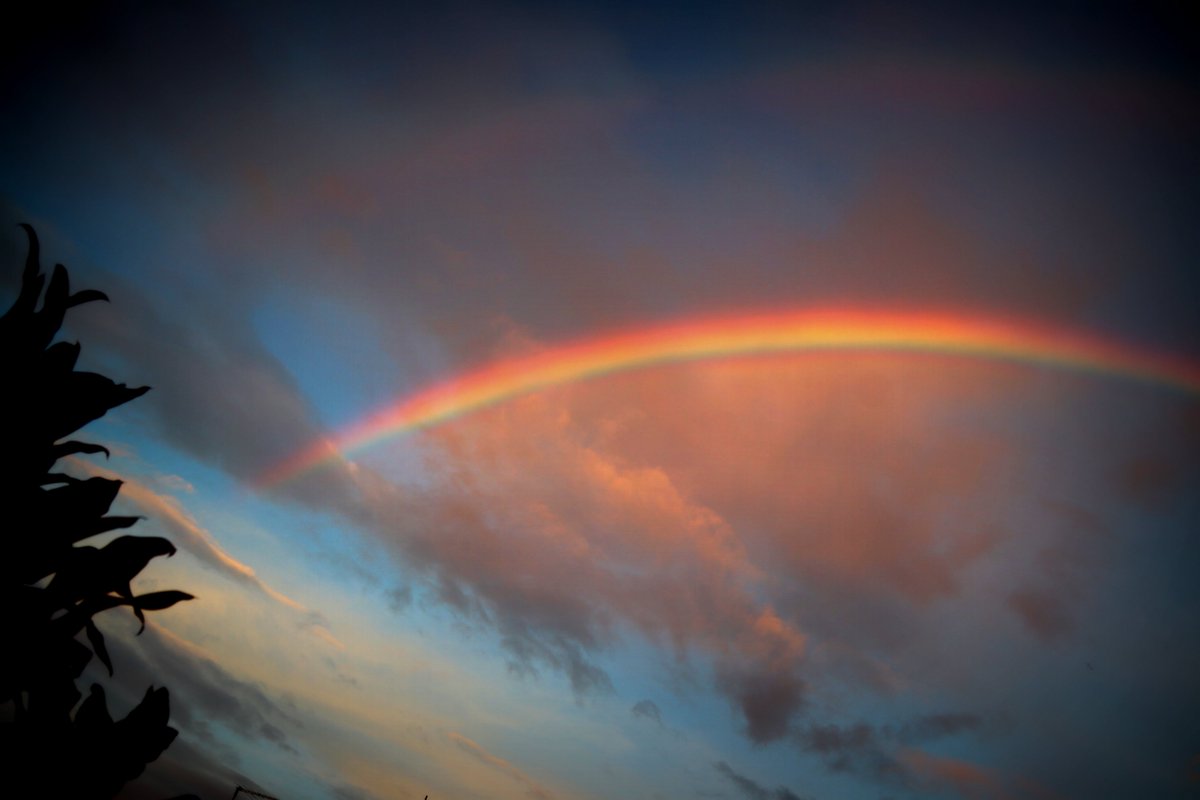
{"x": 992, "y": 338}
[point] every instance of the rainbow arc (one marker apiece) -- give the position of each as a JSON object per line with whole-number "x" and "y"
{"x": 724, "y": 337}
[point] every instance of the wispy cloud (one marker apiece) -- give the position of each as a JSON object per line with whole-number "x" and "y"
{"x": 752, "y": 789}
{"x": 189, "y": 535}
{"x": 480, "y": 754}
{"x": 873, "y": 751}
{"x": 202, "y": 691}
{"x": 970, "y": 781}
{"x": 647, "y": 709}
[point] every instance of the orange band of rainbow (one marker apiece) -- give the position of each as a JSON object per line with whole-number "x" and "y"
{"x": 799, "y": 332}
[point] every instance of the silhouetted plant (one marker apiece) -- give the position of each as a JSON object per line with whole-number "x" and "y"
{"x": 53, "y": 586}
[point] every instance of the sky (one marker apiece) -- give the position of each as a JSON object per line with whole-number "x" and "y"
{"x": 751, "y": 572}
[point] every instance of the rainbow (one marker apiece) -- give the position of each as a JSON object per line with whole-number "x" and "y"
{"x": 722, "y": 337}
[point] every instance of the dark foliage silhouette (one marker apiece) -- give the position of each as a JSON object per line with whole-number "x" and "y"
{"x": 53, "y": 586}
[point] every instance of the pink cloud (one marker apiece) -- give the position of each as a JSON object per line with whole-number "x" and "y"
{"x": 564, "y": 548}
{"x": 967, "y": 780}
{"x": 690, "y": 504}
{"x": 971, "y": 781}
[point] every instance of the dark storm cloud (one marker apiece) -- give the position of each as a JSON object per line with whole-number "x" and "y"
{"x": 751, "y": 789}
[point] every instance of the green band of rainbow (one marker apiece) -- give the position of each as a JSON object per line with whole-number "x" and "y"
{"x": 721, "y": 337}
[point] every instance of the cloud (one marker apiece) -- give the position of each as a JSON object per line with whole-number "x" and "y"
{"x": 479, "y": 753}
{"x": 647, "y": 709}
{"x": 562, "y": 550}
{"x": 1160, "y": 462}
{"x": 873, "y": 751}
{"x": 175, "y": 483}
{"x": 188, "y": 534}
{"x": 202, "y": 691}
{"x": 751, "y": 789}
{"x": 929, "y": 727}
{"x": 217, "y": 393}
{"x": 346, "y": 792}
{"x": 399, "y": 598}
{"x": 1043, "y": 612}
{"x": 1074, "y": 543}
{"x": 185, "y": 768}
{"x": 968, "y": 780}
{"x": 786, "y": 499}
{"x": 740, "y": 517}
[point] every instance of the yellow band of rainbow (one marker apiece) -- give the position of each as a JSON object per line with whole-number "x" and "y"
{"x": 722, "y": 337}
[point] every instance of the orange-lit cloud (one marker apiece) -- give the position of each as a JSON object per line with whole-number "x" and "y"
{"x": 721, "y": 510}
{"x": 967, "y": 780}
{"x": 970, "y": 781}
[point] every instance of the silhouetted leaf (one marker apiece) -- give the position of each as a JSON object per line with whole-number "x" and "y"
{"x": 52, "y": 701}
{"x": 104, "y": 525}
{"x": 157, "y": 601}
{"x": 148, "y": 723}
{"x": 83, "y": 397}
{"x": 154, "y": 709}
{"x": 52, "y": 478}
{"x": 93, "y": 713}
{"x": 77, "y": 617}
{"x": 54, "y": 306}
{"x": 87, "y": 498}
{"x": 90, "y": 571}
{"x": 72, "y": 580}
{"x": 97, "y": 639}
{"x": 31, "y": 279}
{"x": 86, "y": 296}
{"x": 78, "y": 658}
{"x": 61, "y": 356}
{"x": 128, "y": 555}
{"x": 64, "y": 515}
{"x": 71, "y": 448}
